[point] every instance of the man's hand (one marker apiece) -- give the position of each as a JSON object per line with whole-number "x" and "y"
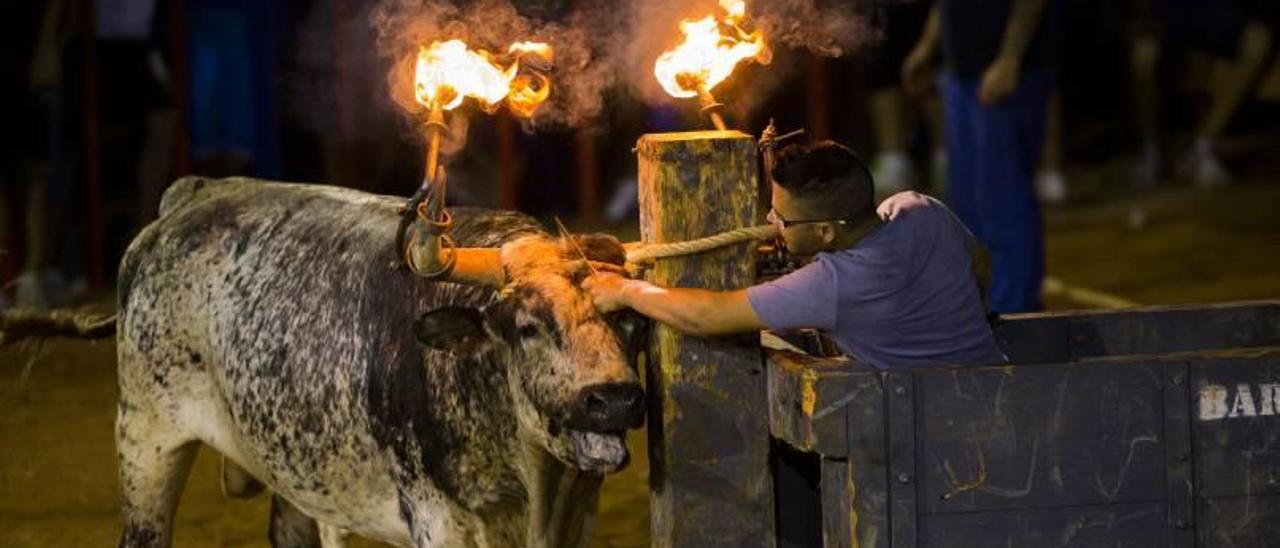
{"x": 917, "y": 68}
{"x": 999, "y": 81}
{"x": 917, "y": 71}
{"x": 606, "y": 290}
{"x": 902, "y": 201}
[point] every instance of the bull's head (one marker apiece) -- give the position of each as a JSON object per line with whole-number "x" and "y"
{"x": 574, "y": 391}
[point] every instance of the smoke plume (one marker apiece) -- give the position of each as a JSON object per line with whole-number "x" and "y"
{"x": 600, "y": 46}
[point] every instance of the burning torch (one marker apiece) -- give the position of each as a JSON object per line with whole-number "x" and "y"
{"x": 445, "y": 74}
{"x": 713, "y": 46}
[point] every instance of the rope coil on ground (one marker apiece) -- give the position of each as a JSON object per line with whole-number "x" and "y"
{"x": 645, "y": 253}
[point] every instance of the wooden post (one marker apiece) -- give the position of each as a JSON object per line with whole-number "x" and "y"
{"x": 92, "y": 165}
{"x": 588, "y": 177}
{"x": 508, "y": 167}
{"x": 708, "y": 422}
{"x": 819, "y": 103}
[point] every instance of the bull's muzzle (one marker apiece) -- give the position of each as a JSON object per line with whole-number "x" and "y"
{"x": 611, "y": 407}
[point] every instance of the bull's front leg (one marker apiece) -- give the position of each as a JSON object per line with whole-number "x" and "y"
{"x": 430, "y": 520}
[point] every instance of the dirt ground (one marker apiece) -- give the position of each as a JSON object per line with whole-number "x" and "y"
{"x": 57, "y": 459}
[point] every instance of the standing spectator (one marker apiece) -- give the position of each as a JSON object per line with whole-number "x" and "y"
{"x": 38, "y": 170}
{"x": 995, "y": 89}
{"x": 1235, "y": 34}
{"x": 900, "y": 23}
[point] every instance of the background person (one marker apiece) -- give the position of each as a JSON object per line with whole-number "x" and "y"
{"x": 995, "y": 89}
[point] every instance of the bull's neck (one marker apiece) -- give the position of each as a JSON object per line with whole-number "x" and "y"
{"x": 561, "y": 498}
{"x": 467, "y": 450}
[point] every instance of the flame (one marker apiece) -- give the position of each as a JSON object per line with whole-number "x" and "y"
{"x": 448, "y": 72}
{"x": 708, "y": 55}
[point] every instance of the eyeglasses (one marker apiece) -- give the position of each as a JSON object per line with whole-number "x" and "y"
{"x": 777, "y": 219}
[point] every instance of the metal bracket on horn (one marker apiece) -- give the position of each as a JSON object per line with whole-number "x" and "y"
{"x": 436, "y": 256}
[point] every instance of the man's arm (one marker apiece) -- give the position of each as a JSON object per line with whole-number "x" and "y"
{"x": 1001, "y": 78}
{"x": 918, "y": 65}
{"x": 694, "y": 311}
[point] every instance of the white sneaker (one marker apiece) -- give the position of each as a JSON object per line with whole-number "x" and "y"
{"x": 1203, "y": 166}
{"x": 893, "y": 173}
{"x": 41, "y": 290}
{"x": 1051, "y": 187}
{"x": 1137, "y": 217}
{"x": 30, "y": 292}
{"x": 623, "y": 202}
{"x": 1146, "y": 170}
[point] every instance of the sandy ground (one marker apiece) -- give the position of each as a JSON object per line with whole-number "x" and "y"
{"x": 57, "y": 459}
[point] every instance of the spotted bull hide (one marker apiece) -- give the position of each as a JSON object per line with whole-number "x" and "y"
{"x": 277, "y": 324}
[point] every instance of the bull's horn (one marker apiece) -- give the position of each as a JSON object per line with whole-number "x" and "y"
{"x": 434, "y": 256}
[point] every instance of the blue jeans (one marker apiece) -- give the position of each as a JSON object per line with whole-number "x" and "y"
{"x": 992, "y": 159}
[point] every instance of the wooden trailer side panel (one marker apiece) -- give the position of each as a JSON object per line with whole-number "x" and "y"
{"x": 1236, "y": 431}
{"x": 1040, "y": 436}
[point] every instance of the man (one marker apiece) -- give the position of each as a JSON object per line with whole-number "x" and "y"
{"x": 995, "y": 88}
{"x": 895, "y": 294}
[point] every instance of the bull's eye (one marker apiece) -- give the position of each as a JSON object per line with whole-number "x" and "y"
{"x": 528, "y": 331}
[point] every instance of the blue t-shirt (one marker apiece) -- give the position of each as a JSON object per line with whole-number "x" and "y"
{"x": 903, "y": 296}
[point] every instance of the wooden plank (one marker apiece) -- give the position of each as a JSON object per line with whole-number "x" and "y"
{"x": 708, "y": 428}
{"x": 1037, "y": 436}
{"x": 839, "y": 521}
{"x": 808, "y": 398}
{"x": 901, "y": 434}
{"x": 1134, "y": 525}
{"x": 1238, "y": 521}
{"x": 1236, "y": 425}
{"x": 1178, "y": 479}
{"x": 1065, "y": 336}
{"x": 868, "y": 456}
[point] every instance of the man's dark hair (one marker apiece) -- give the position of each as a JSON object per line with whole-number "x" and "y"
{"x": 828, "y": 179}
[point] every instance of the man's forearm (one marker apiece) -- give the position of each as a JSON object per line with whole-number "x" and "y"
{"x": 1021, "y": 28}
{"x": 683, "y": 309}
{"x": 693, "y": 311}
{"x": 928, "y": 42}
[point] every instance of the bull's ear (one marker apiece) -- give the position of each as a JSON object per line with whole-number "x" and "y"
{"x": 602, "y": 248}
{"x": 451, "y": 328}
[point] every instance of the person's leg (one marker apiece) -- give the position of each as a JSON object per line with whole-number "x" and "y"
{"x": 930, "y": 107}
{"x": 960, "y": 103}
{"x": 1254, "y": 49}
{"x": 1051, "y": 184}
{"x": 1144, "y": 59}
{"x": 893, "y": 171}
{"x": 1243, "y": 43}
{"x": 8, "y": 259}
{"x": 1011, "y": 136}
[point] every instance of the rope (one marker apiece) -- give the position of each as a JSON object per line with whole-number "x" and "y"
{"x": 648, "y": 252}
{"x": 19, "y": 324}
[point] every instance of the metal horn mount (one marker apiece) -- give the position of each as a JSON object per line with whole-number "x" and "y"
{"x": 431, "y": 251}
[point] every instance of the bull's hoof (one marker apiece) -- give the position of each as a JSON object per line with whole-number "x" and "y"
{"x": 237, "y": 483}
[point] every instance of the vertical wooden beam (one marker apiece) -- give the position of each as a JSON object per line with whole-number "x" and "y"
{"x": 180, "y": 74}
{"x": 901, "y": 417}
{"x": 819, "y": 95}
{"x": 839, "y": 518}
{"x": 92, "y": 151}
{"x": 508, "y": 172}
{"x": 708, "y": 424}
{"x": 588, "y": 177}
{"x": 343, "y": 168}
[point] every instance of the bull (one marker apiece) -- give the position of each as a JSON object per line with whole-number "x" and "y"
{"x": 278, "y": 324}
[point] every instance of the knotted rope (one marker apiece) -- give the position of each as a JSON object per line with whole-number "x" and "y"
{"x": 644, "y": 253}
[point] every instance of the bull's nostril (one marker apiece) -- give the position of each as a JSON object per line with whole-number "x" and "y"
{"x": 634, "y": 398}
{"x": 608, "y": 407}
{"x": 596, "y": 404}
